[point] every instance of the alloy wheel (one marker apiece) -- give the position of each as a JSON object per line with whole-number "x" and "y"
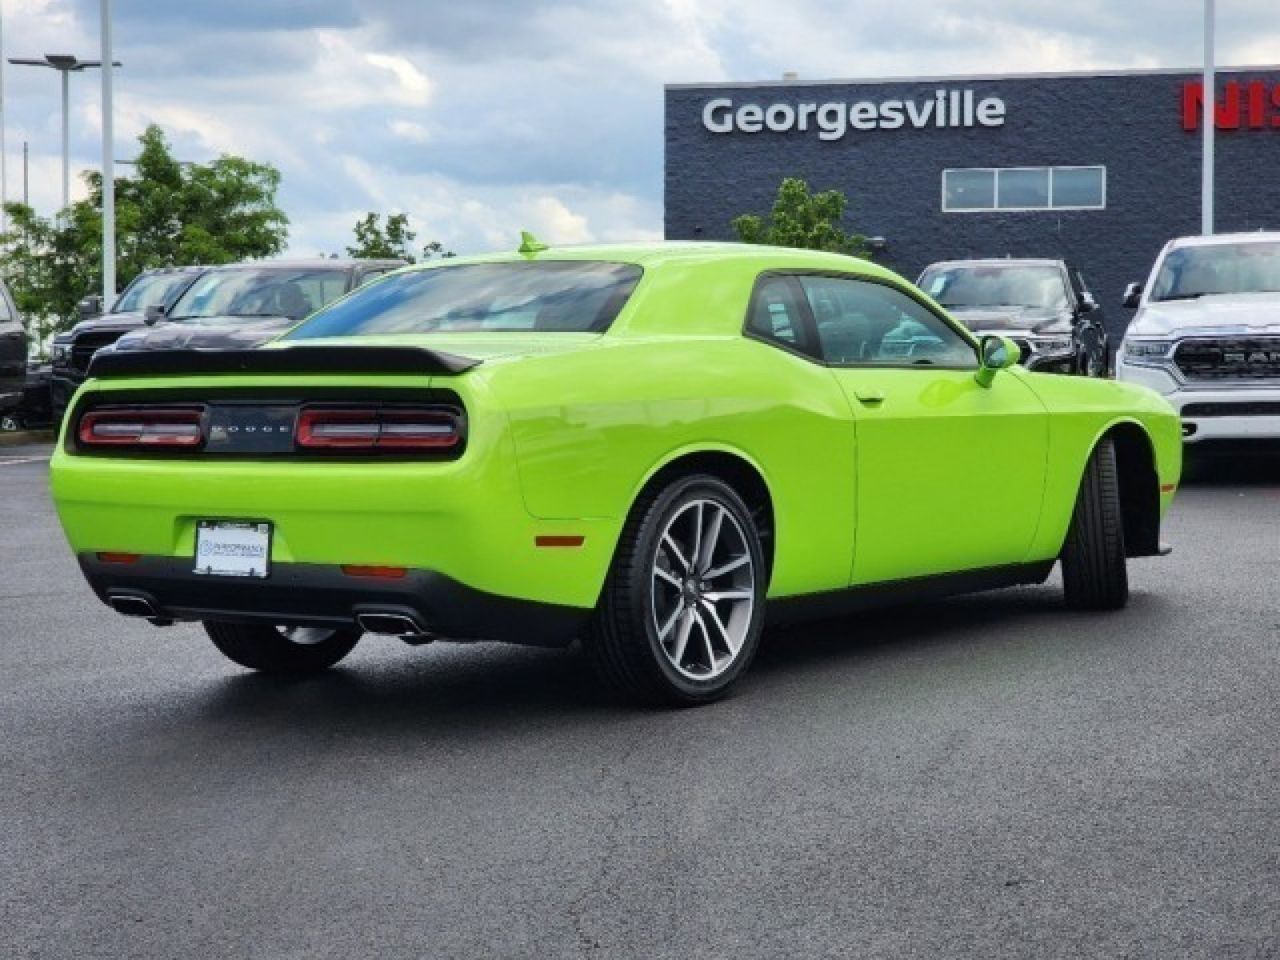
{"x": 703, "y": 589}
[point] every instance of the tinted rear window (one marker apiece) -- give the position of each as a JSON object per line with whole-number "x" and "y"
{"x": 555, "y": 296}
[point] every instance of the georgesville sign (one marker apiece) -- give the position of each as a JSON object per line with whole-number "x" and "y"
{"x": 832, "y": 120}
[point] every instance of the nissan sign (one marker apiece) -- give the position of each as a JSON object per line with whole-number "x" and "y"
{"x": 832, "y": 120}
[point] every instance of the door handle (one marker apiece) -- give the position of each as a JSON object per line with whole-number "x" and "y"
{"x": 869, "y": 397}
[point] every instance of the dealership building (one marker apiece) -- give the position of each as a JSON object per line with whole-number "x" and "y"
{"x": 1099, "y": 168}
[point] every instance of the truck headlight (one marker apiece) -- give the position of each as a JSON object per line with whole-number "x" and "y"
{"x": 1051, "y": 344}
{"x": 60, "y": 353}
{"x": 1146, "y": 349}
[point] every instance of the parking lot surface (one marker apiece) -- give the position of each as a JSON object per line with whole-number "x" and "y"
{"x": 990, "y": 776}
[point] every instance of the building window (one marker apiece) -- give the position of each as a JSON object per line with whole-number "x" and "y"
{"x": 986, "y": 189}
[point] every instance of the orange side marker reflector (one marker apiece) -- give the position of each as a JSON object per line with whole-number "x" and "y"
{"x": 549, "y": 540}
{"x": 119, "y": 557}
{"x": 1168, "y": 488}
{"x": 384, "y": 573}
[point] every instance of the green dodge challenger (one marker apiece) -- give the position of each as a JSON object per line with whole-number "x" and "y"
{"x": 653, "y": 448}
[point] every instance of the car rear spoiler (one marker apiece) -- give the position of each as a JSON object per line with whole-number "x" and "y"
{"x": 344, "y": 360}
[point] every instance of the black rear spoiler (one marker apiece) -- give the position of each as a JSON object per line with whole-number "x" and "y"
{"x": 344, "y": 360}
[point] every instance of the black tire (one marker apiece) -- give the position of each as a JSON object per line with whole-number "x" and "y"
{"x": 1094, "y": 569}
{"x": 268, "y": 649}
{"x": 623, "y": 639}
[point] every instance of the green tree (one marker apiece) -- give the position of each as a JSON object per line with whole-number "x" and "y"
{"x": 392, "y": 241}
{"x": 803, "y": 219}
{"x": 167, "y": 213}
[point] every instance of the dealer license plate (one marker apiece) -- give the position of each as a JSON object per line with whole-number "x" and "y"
{"x": 233, "y": 548}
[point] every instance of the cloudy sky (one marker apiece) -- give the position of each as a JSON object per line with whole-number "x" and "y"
{"x": 482, "y": 117}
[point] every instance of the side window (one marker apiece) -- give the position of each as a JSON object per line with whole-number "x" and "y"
{"x": 861, "y": 322}
{"x": 777, "y": 314}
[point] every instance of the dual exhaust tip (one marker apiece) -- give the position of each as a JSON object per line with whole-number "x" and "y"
{"x": 386, "y": 622}
{"x": 390, "y": 623}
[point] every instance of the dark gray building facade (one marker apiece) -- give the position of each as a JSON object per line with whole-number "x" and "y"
{"x": 1099, "y": 168}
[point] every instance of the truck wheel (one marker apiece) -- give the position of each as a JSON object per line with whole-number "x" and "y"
{"x": 680, "y": 616}
{"x": 1094, "y": 571}
{"x": 281, "y": 650}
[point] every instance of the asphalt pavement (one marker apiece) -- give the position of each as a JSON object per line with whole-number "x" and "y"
{"x": 989, "y": 776}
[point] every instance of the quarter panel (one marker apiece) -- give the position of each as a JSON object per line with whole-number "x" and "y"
{"x": 590, "y": 427}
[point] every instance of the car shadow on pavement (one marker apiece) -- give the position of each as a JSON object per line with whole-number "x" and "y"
{"x": 448, "y": 686}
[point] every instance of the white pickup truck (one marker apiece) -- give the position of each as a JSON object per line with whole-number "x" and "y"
{"x": 1207, "y": 335}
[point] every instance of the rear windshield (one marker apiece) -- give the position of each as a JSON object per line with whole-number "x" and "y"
{"x": 550, "y": 296}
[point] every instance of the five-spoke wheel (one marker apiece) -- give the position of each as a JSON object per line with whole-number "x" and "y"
{"x": 681, "y": 614}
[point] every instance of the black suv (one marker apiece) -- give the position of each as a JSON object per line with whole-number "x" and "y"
{"x": 246, "y": 304}
{"x": 72, "y": 351}
{"x": 1042, "y": 305}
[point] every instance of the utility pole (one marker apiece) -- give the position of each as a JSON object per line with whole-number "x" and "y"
{"x": 1209, "y": 121}
{"x": 4, "y": 122}
{"x": 108, "y": 168}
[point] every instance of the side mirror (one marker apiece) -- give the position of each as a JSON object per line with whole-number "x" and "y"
{"x": 153, "y": 314}
{"x": 1087, "y": 302}
{"x": 1132, "y": 295}
{"x": 89, "y": 307}
{"x": 997, "y": 353}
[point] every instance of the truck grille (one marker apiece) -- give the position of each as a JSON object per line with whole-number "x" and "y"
{"x": 87, "y": 344}
{"x": 1251, "y": 358}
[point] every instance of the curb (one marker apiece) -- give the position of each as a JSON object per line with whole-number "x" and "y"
{"x": 18, "y": 438}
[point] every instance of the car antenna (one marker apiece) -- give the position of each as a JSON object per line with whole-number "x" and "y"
{"x": 530, "y": 244}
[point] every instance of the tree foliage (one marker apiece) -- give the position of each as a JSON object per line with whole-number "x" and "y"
{"x": 803, "y": 219}
{"x": 167, "y": 213}
{"x": 392, "y": 241}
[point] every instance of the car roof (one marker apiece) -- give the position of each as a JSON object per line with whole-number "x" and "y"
{"x": 999, "y": 262}
{"x": 313, "y": 263}
{"x": 184, "y": 268}
{"x": 1217, "y": 239}
{"x": 657, "y": 253}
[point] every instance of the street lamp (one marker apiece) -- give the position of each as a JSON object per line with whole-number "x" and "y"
{"x": 65, "y": 64}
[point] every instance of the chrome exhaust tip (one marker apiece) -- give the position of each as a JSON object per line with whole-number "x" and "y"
{"x": 132, "y": 606}
{"x": 390, "y": 624}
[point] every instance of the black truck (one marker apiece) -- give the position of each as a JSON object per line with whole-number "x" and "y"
{"x": 245, "y": 304}
{"x": 13, "y": 356}
{"x": 73, "y": 350}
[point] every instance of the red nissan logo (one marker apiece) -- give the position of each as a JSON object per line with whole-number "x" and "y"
{"x": 1254, "y": 105}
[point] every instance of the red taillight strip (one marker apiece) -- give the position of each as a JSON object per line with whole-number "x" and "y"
{"x": 114, "y": 557}
{"x": 141, "y": 427}
{"x": 382, "y": 573}
{"x": 377, "y": 429}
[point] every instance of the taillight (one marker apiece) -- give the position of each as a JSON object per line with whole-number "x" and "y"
{"x": 394, "y": 428}
{"x": 149, "y": 427}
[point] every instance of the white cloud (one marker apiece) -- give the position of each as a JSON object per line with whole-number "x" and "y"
{"x": 482, "y": 118}
{"x": 408, "y": 130}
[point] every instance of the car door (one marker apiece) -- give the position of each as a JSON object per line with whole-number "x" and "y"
{"x": 13, "y": 353}
{"x": 950, "y": 473}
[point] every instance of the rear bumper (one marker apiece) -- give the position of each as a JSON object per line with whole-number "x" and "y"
{"x": 307, "y": 594}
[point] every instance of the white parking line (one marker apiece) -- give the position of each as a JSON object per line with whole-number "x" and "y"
{"x": 8, "y": 462}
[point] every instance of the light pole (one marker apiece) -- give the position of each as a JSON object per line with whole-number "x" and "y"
{"x": 108, "y": 168}
{"x": 65, "y": 64}
{"x": 1209, "y": 102}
